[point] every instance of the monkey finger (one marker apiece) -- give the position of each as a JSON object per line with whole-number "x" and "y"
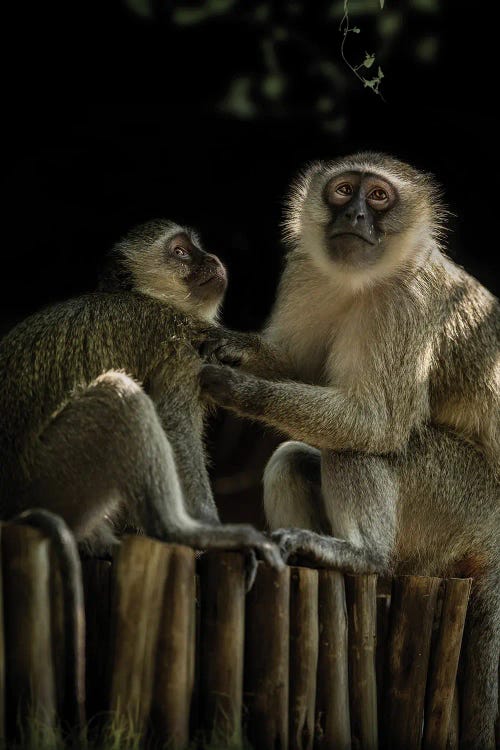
{"x": 220, "y": 352}
{"x": 209, "y": 347}
{"x": 291, "y": 543}
{"x": 251, "y": 567}
{"x": 216, "y": 381}
{"x": 269, "y": 553}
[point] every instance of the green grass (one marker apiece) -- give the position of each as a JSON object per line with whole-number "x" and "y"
{"x": 112, "y": 733}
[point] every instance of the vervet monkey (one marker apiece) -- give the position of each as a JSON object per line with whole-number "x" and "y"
{"x": 381, "y": 361}
{"x": 100, "y": 410}
{"x": 101, "y": 420}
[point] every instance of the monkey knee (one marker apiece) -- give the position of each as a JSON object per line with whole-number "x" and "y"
{"x": 116, "y": 391}
{"x": 290, "y": 478}
{"x": 117, "y": 384}
{"x": 290, "y": 462}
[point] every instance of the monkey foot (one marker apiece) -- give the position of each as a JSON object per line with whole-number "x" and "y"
{"x": 303, "y": 547}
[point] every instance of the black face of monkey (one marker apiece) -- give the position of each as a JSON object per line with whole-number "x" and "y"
{"x": 358, "y": 203}
{"x": 201, "y": 272}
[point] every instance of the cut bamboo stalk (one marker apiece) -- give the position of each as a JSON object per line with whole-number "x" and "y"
{"x": 267, "y": 659}
{"x": 383, "y": 613}
{"x": 303, "y": 656}
{"x": 412, "y": 614}
{"x": 497, "y": 723}
{"x": 97, "y": 591}
{"x": 444, "y": 663}
{"x": 222, "y": 627}
{"x": 194, "y": 722}
{"x": 58, "y": 632}
{"x": 333, "y": 724}
{"x": 2, "y": 653}
{"x": 174, "y": 677}
{"x": 137, "y": 598}
{"x": 30, "y": 685}
{"x": 361, "y": 597}
{"x": 452, "y": 741}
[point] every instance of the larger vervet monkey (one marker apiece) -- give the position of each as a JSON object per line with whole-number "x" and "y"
{"x": 100, "y": 410}
{"x": 382, "y": 359}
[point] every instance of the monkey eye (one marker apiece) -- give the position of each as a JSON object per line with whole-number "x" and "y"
{"x": 180, "y": 251}
{"x": 379, "y": 195}
{"x": 344, "y": 189}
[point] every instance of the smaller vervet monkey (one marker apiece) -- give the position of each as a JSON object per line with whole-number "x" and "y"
{"x": 100, "y": 409}
{"x": 101, "y": 420}
{"x": 381, "y": 361}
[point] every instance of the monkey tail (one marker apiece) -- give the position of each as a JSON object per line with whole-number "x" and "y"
{"x": 73, "y": 708}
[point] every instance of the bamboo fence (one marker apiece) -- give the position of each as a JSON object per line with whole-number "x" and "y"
{"x": 176, "y": 648}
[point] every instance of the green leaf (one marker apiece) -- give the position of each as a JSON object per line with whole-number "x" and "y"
{"x": 369, "y": 60}
{"x": 382, "y": 4}
{"x": 355, "y": 29}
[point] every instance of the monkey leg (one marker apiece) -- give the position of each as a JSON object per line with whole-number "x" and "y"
{"x": 204, "y": 530}
{"x": 479, "y": 679}
{"x": 104, "y": 453}
{"x": 292, "y": 488}
{"x": 356, "y": 495}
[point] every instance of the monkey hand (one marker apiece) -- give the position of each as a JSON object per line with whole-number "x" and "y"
{"x": 226, "y": 347}
{"x": 302, "y": 547}
{"x": 220, "y": 383}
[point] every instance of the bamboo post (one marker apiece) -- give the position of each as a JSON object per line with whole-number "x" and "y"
{"x": 58, "y": 632}
{"x": 97, "y": 591}
{"x": 137, "y": 597}
{"x": 497, "y": 723}
{"x": 30, "y": 684}
{"x": 333, "y": 724}
{"x": 194, "y": 721}
{"x": 2, "y": 653}
{"x": 361, "y": 597}
{"x": 383, "y": 614}
{"x": 267, "y": 659}
{"x": 174, "y": 677}
{"x": 222, "y": 623}
{"x": 444, "y": 663}
{"x": 412, "y": 614}
{"x": 303, "y": 656}
{"x": 452, "y": 740}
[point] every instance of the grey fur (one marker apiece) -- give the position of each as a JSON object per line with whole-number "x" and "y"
{"x": 388, "y": 375}
{"x": 101, "y": 419}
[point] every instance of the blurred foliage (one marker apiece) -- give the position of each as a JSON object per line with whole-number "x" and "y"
{"x": 293, "y": 58}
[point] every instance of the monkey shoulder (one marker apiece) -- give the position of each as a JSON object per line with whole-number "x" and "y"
{"x": 47, "y": 355}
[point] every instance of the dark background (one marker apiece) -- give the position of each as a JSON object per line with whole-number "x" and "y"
{"x": 203, "y": 112}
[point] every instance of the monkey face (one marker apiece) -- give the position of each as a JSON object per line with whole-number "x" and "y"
{"x": 357, "y": 202}
{"x": 164, "y": 260}
{"x": 362, "y": 217}
{"x": 202, "y": 273}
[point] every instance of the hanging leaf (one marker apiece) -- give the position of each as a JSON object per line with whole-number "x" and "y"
{"x": 355, "y": 29}
{"x": 369, "y": 60}
{"x": 382, "y": 4}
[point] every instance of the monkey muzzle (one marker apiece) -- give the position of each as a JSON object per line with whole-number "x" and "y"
{"x": 210, "y": 280}
{"x": 351, "y": 236}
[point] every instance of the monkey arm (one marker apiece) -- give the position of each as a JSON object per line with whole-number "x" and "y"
{"x": 325, "y": 417}
{"x": 249, "y": 351}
